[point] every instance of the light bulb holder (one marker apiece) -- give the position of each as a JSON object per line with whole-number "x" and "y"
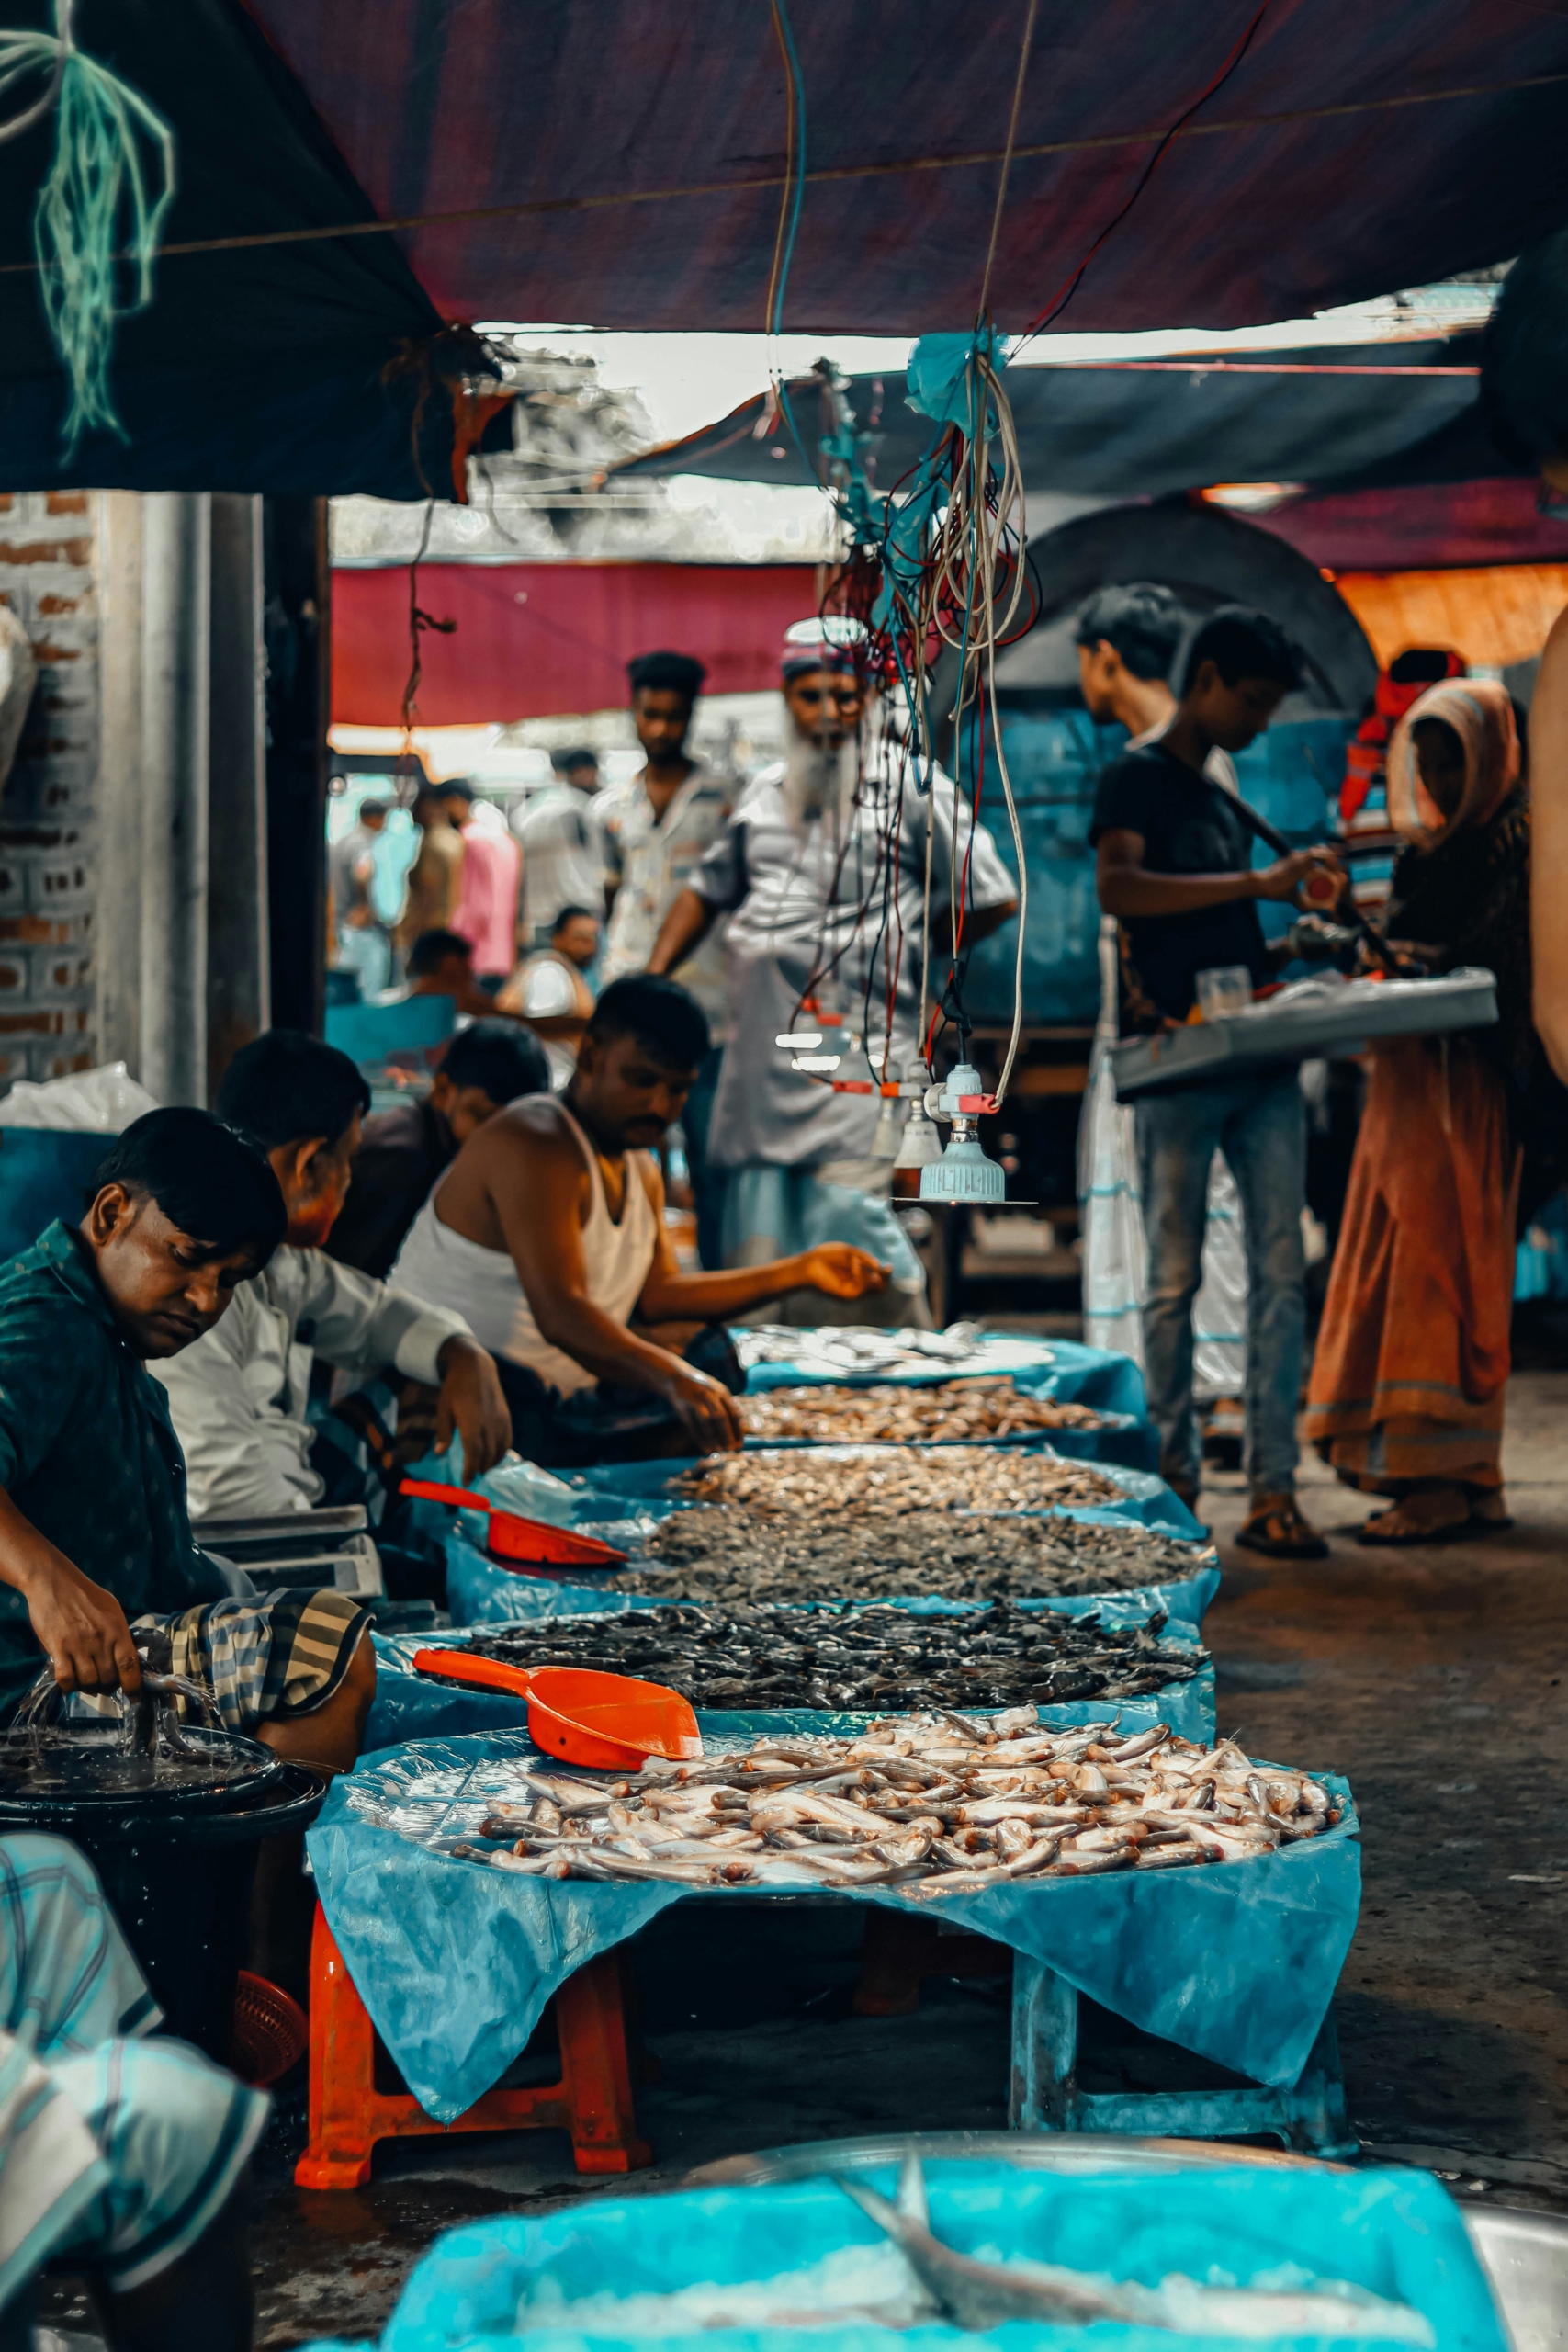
{"x": 964, "y": 1173}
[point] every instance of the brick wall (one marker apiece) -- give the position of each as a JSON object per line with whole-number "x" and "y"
{"x": 47, "y": 577}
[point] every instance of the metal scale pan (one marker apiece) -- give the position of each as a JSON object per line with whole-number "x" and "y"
{"x": 1312, "y": 1018}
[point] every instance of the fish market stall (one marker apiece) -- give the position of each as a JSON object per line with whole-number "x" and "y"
{"x": 1046, "y": 1841}
{"x": 893, "y": 1387}
{"x": 829, "y": 1668}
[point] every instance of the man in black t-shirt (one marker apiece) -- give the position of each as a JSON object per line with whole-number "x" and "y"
{"x": 1175, "y": 868}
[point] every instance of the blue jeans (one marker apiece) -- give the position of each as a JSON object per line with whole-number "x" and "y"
{"x": 1261, "y": 1128}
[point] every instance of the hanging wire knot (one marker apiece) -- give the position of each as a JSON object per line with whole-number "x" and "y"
{"x": 465, "y": 369}
{"x": 98, "y": 179}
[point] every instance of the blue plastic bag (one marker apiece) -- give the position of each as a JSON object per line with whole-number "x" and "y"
{"x": 1236, "y": 1961}
{"x": 1394, "y": 2235}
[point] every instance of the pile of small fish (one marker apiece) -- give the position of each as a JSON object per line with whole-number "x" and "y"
{"x": 867, "y": 1483}
{"x": 948, "y": 1410}
{"x": 935, "y": 1804}
{"x": 724, "y": 1553}
{"x": 863, "y": 1658}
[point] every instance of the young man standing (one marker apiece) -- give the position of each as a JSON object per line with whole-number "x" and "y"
{"x": 435, "y": 877}
{"x": 548, "y": 1236}
{"x": 486, "y": 912}
{"x": 658, "y": 828}
{"x": 1175, "y": 868}
{"x": 563, "y": 850}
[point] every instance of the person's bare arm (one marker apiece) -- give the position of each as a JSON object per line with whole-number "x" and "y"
{"x": 538, "y": 1186}
{"x": 1127, "y": 888}
{"x": 684, "y": 929}
{"x": 1549, "y": 847}
{"x": 979, "y": 922}
{"x": 835, "y": 1269}
{"x": 81, "y": 1627}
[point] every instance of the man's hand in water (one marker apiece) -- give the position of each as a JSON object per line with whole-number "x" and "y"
{"x": 709, "y": 1414}
{"x": 471, "y": 1402}
{"x": 81, "y": 1627}
{"x": 841, "y": 1272}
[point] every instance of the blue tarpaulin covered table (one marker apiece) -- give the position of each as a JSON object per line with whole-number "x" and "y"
{"x": 455, "y": 1962}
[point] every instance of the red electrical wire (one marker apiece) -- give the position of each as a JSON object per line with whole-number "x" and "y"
{"x": 1059, "y": 301}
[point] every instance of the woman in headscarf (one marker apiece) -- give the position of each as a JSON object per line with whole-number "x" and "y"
{"x": 1411, "y": 1360}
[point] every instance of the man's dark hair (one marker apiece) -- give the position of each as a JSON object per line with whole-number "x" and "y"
{"x": 210, "y": 1182}
{"x": 498, "y": 1056}
{"x": 1242, "y": 644}
{"x": 680, "y": 674}
{"x": 432, "y": 948}
{"x": 569, "y": 915}
{"x": 285, "y": 1086}
{"x": 1524, "y": 356}
{"x": 457, "y": 787}
{"x": 373, "y": 809}
{"x": 1142, "y": 620}
{"x": 665, "y": 1019}
{"x": 580, "y": 756}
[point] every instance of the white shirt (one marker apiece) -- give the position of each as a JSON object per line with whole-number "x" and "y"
{"x": 563, "y": 854}
{"x": 650, "y": 857}
{"x": 238, "y": 1394}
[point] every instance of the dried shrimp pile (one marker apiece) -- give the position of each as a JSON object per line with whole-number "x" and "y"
{"x": 726, "y": 1554}
{"x": 874, "y": 1485}
{"x": 867, "y": 1659}
{"x": 937, "y": 1805}
{"x": 899, "y": 1416}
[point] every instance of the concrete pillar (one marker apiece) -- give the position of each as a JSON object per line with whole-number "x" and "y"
{"x": 117, "y": 929}
{"x": 176, "y": 731}
{"x": 238, "y": 989}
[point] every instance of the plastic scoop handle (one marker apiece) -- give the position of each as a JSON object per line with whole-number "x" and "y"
{"x": 429, "y": 1490}
{"x": 480, "y": 1673}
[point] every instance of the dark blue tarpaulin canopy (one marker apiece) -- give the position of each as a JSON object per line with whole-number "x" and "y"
{"x": 622, "y": 162}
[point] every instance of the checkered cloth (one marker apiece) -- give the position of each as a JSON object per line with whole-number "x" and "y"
{"x": 113, "y": 2147}
{"x": 260, "y": 1658}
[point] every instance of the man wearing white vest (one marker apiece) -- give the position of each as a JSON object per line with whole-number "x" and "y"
{"x": 548, "y": 1236}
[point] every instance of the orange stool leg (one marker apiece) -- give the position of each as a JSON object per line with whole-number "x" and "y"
{"x": 593, "y": 2101}
{"x": 595, "y": 2070}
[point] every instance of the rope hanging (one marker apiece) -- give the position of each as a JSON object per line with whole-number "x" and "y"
{"x": 104, "y": 198}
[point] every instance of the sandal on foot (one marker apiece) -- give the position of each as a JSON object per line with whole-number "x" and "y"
{"x": 1277, "y": 1530}
{"x": 1452, "y": 1531}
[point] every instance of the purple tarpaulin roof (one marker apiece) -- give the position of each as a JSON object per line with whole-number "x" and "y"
{"x": 1353, "y": 150}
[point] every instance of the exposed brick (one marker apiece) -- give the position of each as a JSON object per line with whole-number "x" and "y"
{"x": 64, "y": 501}
{"x": 59, "y": 604}
{"x": 47, "y": 551}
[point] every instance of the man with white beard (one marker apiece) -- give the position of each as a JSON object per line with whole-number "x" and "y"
{"x": 802, "y": 869}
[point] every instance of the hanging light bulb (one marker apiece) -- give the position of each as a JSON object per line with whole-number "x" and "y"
{"x": 888, "y": 1132}
{"x": 922, "y": 1145}
{"x": 963, "y": 1172}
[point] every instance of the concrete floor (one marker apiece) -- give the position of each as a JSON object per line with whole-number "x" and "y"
{"x": 1432, "y": 1678}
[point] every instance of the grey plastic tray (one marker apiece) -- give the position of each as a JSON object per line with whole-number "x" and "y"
{"x": 1294, "y": 1028}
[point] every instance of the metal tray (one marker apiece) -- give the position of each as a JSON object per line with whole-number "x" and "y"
{"x": 1297, "y": 1029}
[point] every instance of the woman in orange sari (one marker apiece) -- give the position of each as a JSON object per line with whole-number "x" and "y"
{"x": 1411, "y": 1360}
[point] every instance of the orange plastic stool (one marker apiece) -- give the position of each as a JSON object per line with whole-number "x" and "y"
{"x": 593, "y": 2100}
{"x": 900, "y": 1952}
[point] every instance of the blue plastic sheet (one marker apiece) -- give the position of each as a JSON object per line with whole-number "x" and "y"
{"x": 480, "y": 1592}
{"x": 1236, "y": 1961}
{"x": 411, "y": 1706}
{"x": 1396, "y": 2235}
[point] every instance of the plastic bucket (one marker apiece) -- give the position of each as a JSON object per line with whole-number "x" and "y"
{"x": 178, "y": 1880}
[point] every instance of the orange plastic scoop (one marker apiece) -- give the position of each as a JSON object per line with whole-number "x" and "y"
{"x": 518, "y": 1543}
{"x": 608, "y": 1720}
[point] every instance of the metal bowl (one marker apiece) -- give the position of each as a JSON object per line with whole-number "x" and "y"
{"x": 1525, "y": 2255}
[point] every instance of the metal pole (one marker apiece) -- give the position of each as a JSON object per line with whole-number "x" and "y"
{"x": 238, "y": 989}
{"x": 175, "y": 719}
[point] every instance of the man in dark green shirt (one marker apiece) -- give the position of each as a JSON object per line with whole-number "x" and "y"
{"x": 95, "y": 1537}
